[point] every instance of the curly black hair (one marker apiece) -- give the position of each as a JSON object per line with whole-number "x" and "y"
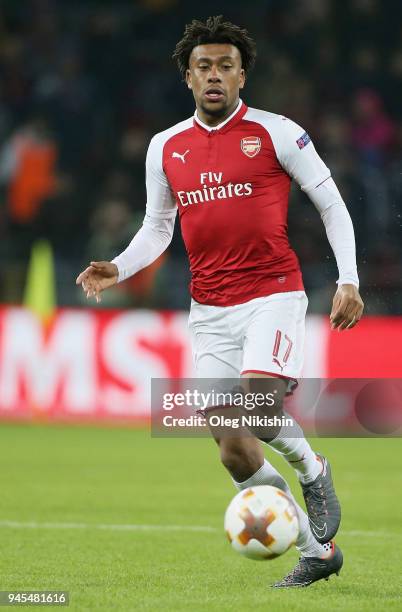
{"x": 214, "y": 30}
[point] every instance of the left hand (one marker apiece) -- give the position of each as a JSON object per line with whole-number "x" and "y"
{"x": 347, "y": 308}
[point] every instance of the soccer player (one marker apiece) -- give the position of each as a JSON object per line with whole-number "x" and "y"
{"x": 227, "y": 172}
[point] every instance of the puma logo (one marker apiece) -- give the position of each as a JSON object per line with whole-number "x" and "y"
{"x": 278, "y": 364}
{"x": 174, "y": 154}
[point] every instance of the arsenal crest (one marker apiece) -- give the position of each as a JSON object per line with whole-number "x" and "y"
{"x": 251, "y": 145}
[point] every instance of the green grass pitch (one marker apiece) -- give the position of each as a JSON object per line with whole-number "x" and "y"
{"x": 63, "y": 487}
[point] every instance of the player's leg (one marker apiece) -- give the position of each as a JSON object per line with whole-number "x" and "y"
{"x": 242, "y": 455}
{"x": 247, "y": 452}
{"x": 274, "y": 347}
{"x": 216, "y": 354}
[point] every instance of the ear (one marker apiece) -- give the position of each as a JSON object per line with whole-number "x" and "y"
{"x": 188, "y": 79}
{"x": 242, "y": 79}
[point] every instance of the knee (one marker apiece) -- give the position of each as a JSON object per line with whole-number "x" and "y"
{"x": 241, "y": 458}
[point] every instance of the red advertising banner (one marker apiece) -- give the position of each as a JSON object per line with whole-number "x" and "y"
{"x": 88, "y": 365}
{"x": 92, "y": 365}
{"x": 371, "y": 350}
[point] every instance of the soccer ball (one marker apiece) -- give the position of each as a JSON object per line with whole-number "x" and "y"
{"x": 261, "y": 522}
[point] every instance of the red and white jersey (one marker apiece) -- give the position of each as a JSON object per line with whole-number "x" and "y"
{"x": 231, "y": 187}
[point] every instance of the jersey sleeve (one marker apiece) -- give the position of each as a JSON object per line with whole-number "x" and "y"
{"x": 298, "y": 157}
{"x": 157, "y": 230}
{"x": 160, "y": 200}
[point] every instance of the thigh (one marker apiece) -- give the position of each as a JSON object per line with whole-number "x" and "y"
{"x": 274, "y": 337}
{"x": 216, "y": 353}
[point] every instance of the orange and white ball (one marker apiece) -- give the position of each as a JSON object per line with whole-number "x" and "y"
{"x": 261, "y": 522}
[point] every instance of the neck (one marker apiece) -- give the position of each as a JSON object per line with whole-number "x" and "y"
{"x": 214, "y": 120}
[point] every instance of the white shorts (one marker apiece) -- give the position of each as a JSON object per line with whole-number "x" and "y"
{"x": 264, "y": 335}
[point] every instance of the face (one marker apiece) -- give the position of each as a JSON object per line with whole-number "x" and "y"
{"x": 215, "y": 77}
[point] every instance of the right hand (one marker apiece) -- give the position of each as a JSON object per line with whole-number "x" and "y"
{"x": 99, "y": 275}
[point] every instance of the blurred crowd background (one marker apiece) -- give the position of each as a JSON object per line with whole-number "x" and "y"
{"x": 84, "y": 85}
